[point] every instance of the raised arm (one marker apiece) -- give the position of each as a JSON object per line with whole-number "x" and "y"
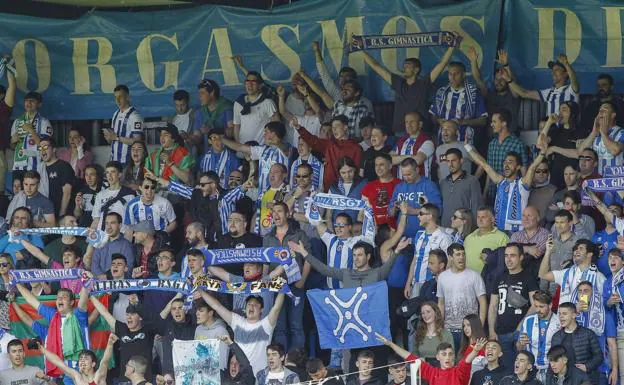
{"x": 527, "y": 179}
{"x": 234, "y": 145}
{"x": 437, "y": 70}
{"x": 221, "y": 310}
{"x": 604, "y": 210}
{"x": 328, "y": 100}
{"x": 378, "y": 68}
{"x": 328, "y": 82}
{"x": 319, "y": 266}
{"x": 167, "y": 309}
{"x": 516, "y": 89}
{"x": 588, "y": 142}
{"x": 281, "y": 103}
{"x": 480, "y": 344}
{"x": 104, "y": 312}
{"x": 58, "y": 362}
{"x": 22, "y": 315}
{"x": 35, "y": 251}
{"x": 544, "y": 270}
{"x": 9, "y": 97}
{"x": 100, "y": 374}
{"x": 397, "y": 349}
{"x": 384, "y": 249}
{"x": 275, "y": 310}
{"x": 481, "y": 162}
{"x": 473, "y": 56}
{"x": 563, "y": 59}
{"x": 84, "y": 295}
{"x": 238, "y": 59}
{"x": 28, "y": 296}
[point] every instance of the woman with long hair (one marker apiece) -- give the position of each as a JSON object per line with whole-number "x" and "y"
{"x": 558, "y": 138}
{"x": 461, "y": 225}
{"x": 472, "y": 331}
{"x": 430, "y": 332}
{"x": 78, "y": 155}
{"x": 133, "y": 172}
{"x": 350, "y": 185}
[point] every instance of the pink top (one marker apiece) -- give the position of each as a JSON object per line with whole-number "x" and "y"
{"x": 72, "y": 284}
{"x": 81, "y": 164}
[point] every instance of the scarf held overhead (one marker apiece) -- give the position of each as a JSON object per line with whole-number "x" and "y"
{"x": 426, "y": 39}
{"x": 340, "y": 202}
{"x": 279, "y": 255}
{"x": 96, "y": 238}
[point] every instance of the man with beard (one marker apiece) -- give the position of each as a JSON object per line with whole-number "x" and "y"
{"x": 238, "y": 237}
{"x": 459, "y": 189}
{"x": 195, "y": 239}
{"x": 116, "y": 244}
{"x": 60, "y": 176}
{"x": 297, "y": 200}
{"x": 604, "y": 88}
{"x": 512, "y": 194}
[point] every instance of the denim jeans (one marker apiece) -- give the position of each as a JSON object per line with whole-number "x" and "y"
{"x": 508, "y": 346}
{"x": 289, "y": 327}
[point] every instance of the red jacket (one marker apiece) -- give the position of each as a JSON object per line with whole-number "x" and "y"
{"x": 457, "y": 375}
{"x": 332, "y": 151}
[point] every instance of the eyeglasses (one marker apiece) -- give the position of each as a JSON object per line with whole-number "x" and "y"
{"x": 302, "y": 176}
{"x": 148, "y": 187}
{"x": 4, "y": 265}
{"x": 541, "y": 171}
{"x": 586, "y": 158}
{"x": 340, "y": 225}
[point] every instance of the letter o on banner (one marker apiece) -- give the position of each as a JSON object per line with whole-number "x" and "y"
{"x": 42, "y": 65}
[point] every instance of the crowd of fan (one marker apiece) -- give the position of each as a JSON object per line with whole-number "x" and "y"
{"x": 478, "y": 235}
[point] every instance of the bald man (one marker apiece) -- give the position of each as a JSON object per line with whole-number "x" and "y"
{"x": 416, "y": 144}
{"x": 533, "y": 237}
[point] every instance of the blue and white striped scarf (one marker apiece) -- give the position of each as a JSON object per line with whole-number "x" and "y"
{"x": 220, "y": 167}
{"x": 96, "y": 238}
{"x": 509, "y": 215}
{"x": 335, "y": 201}
{"x": 7, "y": 64}
{"x": 594, "y": 318}
{"x": 317, "y": 172}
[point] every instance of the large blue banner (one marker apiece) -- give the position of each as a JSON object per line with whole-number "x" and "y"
{"x": 77, "y": 63}
{"x": 589, "y": 32}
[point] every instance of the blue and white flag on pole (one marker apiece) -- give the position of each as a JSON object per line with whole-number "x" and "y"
{"x": 349, "y": 318}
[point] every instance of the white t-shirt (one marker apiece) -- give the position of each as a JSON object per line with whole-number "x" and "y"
{"x": 276, "y": 378}
{"x": 309, "y": 122}
{"x": 253, "y": 338}
{"x": 5, "y": 363}
{"x": 104, "y": 196}
{"x": 252, "y": 124}
{"x": 183, "y": 121}
{"x": 460, "y": 292}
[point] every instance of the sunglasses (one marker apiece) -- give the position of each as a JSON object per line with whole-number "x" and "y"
{"x": 541, "y": 171}
{"x": 4, "y": 265}
{"x": 149, "y": 187}
{"x": 302, "y": 176}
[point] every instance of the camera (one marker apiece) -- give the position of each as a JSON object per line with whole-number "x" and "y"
{"x": 34, "y": 343}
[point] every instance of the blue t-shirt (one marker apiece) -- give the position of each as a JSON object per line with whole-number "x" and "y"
{"x": 11, "y": 248}
{"x": 410, "y": 192}
{"x": 607, "y": 242}
{"x": 399, "y": 272}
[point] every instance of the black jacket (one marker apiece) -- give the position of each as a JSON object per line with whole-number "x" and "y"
{"x": 354, "y": 380}
{"x": 514, "y": 380}
{"x": 486, "y": 376}
{"x": 584, "y": 349}
{"x": 245, "y": 374}
{"x": 573, "y": 376}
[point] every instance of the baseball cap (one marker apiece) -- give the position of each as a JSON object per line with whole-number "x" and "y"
{"x": 553, "y": 63}
{"x": 144, "y": 227}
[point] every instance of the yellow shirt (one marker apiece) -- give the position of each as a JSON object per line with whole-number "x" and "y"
{"x": 476, "y": 242}
{"x": 266, "y": 204}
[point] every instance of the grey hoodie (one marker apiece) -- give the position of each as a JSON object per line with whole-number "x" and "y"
{"x": 217, "y": 329}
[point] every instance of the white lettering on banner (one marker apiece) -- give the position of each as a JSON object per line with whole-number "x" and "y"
{"x": 410, "y": 197}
